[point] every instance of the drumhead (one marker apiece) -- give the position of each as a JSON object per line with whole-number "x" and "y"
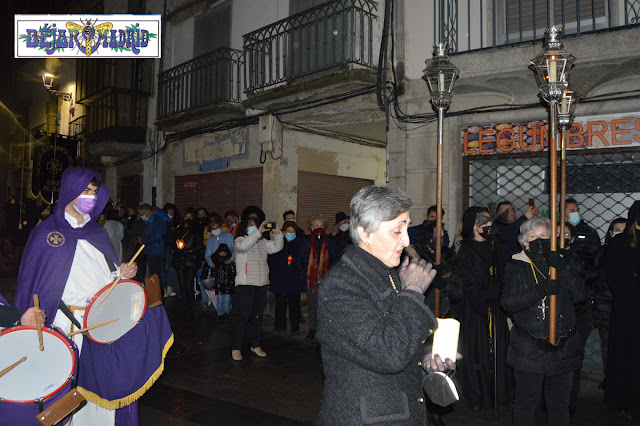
{"x": 44, "y": 373}
{"x": 127, "y": 302}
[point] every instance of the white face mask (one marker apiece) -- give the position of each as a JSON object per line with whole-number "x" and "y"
{"x": 615, "y": 233}
{"x": 344, "y": 227}
{"x": 170, "y": 216}
{"x": 217, "y": 231}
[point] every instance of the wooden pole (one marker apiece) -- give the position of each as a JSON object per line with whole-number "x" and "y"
{"x": 553, "y": 166}
{"x": 439, "y": 201}
{"x": 563, "y": 184}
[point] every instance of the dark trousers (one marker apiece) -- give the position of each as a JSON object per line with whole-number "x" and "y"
{"x": 293, "y": 302}
{"x": 557, "y": 389}
{"x": 251, "y": 301}
{"x": 156, "y": 266}
{"x": 185, "y": 282}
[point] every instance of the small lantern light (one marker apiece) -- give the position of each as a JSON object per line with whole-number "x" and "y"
{"x": 552, "y": 66}
{"x": 47, "y": 80}
{"x": 567, "y": 108}
{"x": 440, "y": 75}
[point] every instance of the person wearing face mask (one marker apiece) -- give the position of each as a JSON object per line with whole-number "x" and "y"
{"x": 587, "y": 239}
{"x": 507, "y": 227}
{"x": 252, "y": 278}
{"x": 287, "y": 281}
{"x": 484, "y": 335}
{"x": 318, "y": 255}
{"x": 536, "y": 362}
{"x": 451, "y": 288}
{"x": 217, "y": 236}
{"x": 156, "y": 224}
{"x": 341, "y": 234}
{"x": 623, "y": 276}
{"x": 68, "y": 259}
{"x": 232, "y": 220}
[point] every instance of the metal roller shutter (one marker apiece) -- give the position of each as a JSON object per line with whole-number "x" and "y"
{"x": 326, "y": 194}
{"x": 220, "y": 191}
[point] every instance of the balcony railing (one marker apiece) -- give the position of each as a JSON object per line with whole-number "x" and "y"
{"x": 77, "y": 127}
{"x": 208, "y": 79}
{"x": 335, "y": 34}
{"x": 478, "y": 24}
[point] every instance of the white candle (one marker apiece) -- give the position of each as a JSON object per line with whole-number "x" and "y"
{"x": 441, "y": 82}
{"x": 553, "y": 70}
{"x": 564, "y": 105}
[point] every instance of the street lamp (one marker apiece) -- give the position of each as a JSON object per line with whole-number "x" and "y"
{"x": 440, "y": 75}
{"x": 47, "y": 82}
{"x": 552, "y": 74}
{"x": 566, "y": 114}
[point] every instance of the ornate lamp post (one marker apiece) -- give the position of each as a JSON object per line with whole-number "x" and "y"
{"x": 566, "y": 114}
{"x": 552, "y": 74}
{"x": 47, "y": 82}
{"x": 440, "y": 75}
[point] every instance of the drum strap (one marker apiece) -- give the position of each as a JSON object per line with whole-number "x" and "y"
{"x": 110, "y": 264}
{"x": 69, "y": 314}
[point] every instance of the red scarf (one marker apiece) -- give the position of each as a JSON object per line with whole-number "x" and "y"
{"x": 317, "y": 269}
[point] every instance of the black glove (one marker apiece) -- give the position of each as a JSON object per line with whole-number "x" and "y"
{"x": 550, "y": 288}
{"x": 438, "y": 282}
{"x": 555, "y": 259}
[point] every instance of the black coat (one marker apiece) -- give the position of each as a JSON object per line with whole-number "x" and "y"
{"x": 286, "y": 277}
{"x": 623, "y": 276}
{"x": 191, "y": 255}
{"x": 372, "y": 341}
{"x": 587, "y": 241}
{"x": 224, "y": 274}
{"x": 479, "y": 268}
{"x": 529, "y": 349}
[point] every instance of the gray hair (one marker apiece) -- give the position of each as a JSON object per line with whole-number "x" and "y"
{"x": 373, "y": 205}
{"x": 531, "y": 224}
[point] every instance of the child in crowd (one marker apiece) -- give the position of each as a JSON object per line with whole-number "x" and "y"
{"x": 224, "y": 273}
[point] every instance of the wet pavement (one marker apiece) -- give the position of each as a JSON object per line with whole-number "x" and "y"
{"x": 202, "y": 385}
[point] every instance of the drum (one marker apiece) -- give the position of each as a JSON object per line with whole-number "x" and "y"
{"x": 39, "y": 381}
{"x": 127, "y": 302}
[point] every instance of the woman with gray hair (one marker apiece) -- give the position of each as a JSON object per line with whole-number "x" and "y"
{"x": 372, "y": 320}
{"x": 536, "y": 362}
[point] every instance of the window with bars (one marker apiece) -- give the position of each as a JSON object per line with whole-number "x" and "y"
{"x": 527, "y": 19}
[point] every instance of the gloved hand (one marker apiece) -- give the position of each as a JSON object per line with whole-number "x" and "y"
{"x": 416, "y": 275}
{"x": 554, "y": 259}
{"x": 550, "y": 287}
{"x": 438, "y": 281}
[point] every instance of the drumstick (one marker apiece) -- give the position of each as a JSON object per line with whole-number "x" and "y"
{"x": 12, "y": 366}
{"x": 120, "y": 277}
{"x": 36, "y": 303}
{"x": 92, "y": 327}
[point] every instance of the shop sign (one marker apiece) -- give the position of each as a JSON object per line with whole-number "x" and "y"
{"x": 517, "y": 137}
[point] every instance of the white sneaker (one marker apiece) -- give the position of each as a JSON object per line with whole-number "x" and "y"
{"x": 166, "y": 293}
{"x": 170, "y": 291}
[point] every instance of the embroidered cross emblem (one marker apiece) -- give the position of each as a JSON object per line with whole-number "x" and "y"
{"x": 55, "y": 239}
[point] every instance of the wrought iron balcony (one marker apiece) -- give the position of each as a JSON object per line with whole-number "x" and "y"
{"x": 209, "y": 79}
{"x": 479, "y": 24}
{"x": 336, "y": 34}
{"x": 118, "y": 117}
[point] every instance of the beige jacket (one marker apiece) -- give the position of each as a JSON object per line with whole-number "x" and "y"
{"x": 251, "y": 258}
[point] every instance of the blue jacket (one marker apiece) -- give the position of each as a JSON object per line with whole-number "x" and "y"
{"x": 214, "y": 242}
{"x": 155, "y": 230}
{"x": 285, "y": 278}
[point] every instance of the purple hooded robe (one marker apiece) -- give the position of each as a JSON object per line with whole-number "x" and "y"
{"x": 117, "y": 374}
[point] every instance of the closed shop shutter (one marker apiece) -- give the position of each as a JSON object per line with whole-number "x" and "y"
{"x": 220, "y": 191}
{"x": 326, "y": 194}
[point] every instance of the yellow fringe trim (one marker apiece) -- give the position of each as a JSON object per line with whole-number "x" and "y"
{"x": 130, "y": 399}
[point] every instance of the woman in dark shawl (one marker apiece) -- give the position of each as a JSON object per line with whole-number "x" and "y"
{"x": 623, "y": 277}
{"x": 484, "y": 335}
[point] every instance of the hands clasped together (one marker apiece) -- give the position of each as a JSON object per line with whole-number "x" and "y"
{"x": 416, "y": 275}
